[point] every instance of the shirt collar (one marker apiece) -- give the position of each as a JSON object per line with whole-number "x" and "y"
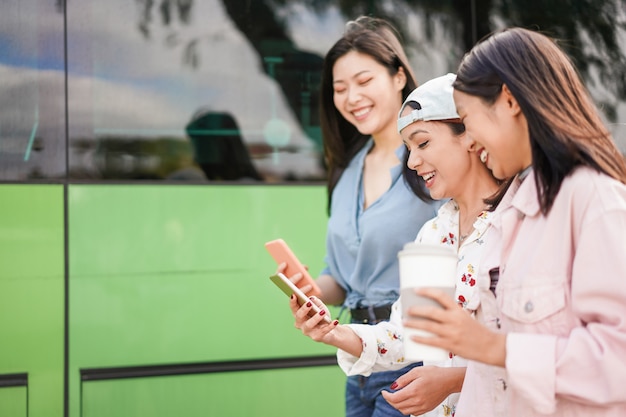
{"x": 396, "y": 170}
{"x": 525, "y": 199}
{"x": 482, "y": 222}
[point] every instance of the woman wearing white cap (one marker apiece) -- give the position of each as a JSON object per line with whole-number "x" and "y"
{"x": 446, "y": 162}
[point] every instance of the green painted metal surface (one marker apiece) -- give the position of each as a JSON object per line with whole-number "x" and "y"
{"x": 13, "y": 402}
{"x": 32, "y": 296}
{"x": 157, "y": 275}
{"x": 306, "y": 392}
{"x": 162, "y": 274}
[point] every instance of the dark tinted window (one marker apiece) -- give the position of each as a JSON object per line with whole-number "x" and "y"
{"x": 175, "y": 90}
{"x": 191, "y": 90}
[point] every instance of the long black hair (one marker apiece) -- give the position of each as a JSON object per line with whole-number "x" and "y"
{"x": 564, "y": 125}
{"x": 380, "y": 40}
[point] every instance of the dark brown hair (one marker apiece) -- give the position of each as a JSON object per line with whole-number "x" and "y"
{"x": 564, "y": 125}
{"x": 380, "y": 40}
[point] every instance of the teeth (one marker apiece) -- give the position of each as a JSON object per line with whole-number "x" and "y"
{"x": 428, "y": 176}
{"x": 483, "y": 156}
{"x": 361, "y": 112}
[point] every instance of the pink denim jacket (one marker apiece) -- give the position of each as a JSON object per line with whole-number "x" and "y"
{"x": 561, "y": 297}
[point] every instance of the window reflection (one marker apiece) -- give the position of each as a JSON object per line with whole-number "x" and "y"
{"x": 186, "y": 96}
{"x": 32, "y": 121}
{"x": 218, "y": 148}
{"x": 142, "y": 74}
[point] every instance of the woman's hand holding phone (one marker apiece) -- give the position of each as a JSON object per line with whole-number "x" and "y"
{"x": 313, "y": 325}
{"x": 330, "y": 333}
{"x": 311, "y": 315}
{"x": 292, "y": 291}
{"x": 290, "y": 266}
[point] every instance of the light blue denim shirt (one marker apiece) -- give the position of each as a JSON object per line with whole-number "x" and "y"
{"x": 362, "y": 245}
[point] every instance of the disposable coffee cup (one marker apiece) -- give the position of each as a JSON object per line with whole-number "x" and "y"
{"x": 424, "y": 266}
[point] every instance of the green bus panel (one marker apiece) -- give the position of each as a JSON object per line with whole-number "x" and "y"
{"x": 134, "y": 229}
{"x": 13, "y": 402}
{"x": 303, "y": 392}
{"x": 167, "y": 275}
{"x": 32, "y": 294}
{"x": 171, "y": 318}
{"x": 31, "y": 232}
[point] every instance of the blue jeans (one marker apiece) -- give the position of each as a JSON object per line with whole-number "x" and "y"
{"x": 363, "y": 398}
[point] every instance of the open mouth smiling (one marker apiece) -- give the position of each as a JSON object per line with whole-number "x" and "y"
{"x": 361, "y": 112}
{"x": 428, "y": 177}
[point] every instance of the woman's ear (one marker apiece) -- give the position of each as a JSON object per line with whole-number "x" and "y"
{"x": 400, "y": 78}
{"x": 467, "y": 142}
{"x": 510, "y": 100}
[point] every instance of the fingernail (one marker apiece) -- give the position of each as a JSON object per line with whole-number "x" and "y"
{"x": 336, "y": 322}
{"x": 291, "y": 296}
{"x": 309, "y": 304}
{"x": 322, "y": 312}
{"x": 394, "y": 385}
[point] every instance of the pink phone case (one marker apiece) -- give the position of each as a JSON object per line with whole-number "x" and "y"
{"x": 282, "y": 253}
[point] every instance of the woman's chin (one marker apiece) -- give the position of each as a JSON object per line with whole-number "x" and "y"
{"x": 437, "y": 195}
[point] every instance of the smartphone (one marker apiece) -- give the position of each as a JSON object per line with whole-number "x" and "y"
{"x": 290, "y": 288}
{"x": 282, "y": 253}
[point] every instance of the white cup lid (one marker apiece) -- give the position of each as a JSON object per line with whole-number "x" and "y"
{"x": 414, "y": 248}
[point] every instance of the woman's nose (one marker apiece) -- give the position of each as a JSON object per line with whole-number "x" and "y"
{"x": 414, "y": 160}
{"x": 354, "y": 95}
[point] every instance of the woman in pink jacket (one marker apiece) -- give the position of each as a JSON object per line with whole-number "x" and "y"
{"x": 554, "y": 339}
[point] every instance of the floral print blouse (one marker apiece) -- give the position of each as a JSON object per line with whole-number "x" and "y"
{"x": 383, "y": 346}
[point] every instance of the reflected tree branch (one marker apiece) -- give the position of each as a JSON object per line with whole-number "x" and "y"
{"x": 589, "y": 30}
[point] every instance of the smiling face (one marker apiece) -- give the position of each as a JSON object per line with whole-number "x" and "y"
{"x": 366, "y": 94}
{"x": 439, "y": 156}
{"x": 500, "y": 131}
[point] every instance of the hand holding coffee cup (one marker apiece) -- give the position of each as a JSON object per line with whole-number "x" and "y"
{"x": 424, "y": 266}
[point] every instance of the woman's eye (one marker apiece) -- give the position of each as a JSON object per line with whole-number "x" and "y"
{"x": 365, "y": 81}
{"x": 422, "y": 145}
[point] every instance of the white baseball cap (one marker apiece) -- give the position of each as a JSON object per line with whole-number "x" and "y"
{"x": 435, "y": 102}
